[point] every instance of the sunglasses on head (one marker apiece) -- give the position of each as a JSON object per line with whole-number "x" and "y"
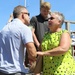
{"x": 51, "y": 18}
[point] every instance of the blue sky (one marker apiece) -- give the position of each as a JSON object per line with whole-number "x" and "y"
{"x": 67, "y": 7}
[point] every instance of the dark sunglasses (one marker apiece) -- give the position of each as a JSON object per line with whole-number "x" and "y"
{"x": 26, "y": 13}
{"x": 51, "y": 18}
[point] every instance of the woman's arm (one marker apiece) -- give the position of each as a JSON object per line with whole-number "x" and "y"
{"x": 61, "y": 49}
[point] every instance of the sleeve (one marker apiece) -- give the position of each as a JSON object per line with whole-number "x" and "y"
{"x": 27, "y": 35}
{"x": 65, "y": 31}
{"x": 33, "y": 22}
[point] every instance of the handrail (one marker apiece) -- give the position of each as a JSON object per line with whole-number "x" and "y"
{"x": 67, "y": 24}
{"x": 73, "y": 22}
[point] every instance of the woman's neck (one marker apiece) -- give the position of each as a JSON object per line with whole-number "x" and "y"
{"x": 57, "y": 30}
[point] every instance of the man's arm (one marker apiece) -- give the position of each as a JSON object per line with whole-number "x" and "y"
{"x": 31, "y": 55}
{"x": 31, "y": 50}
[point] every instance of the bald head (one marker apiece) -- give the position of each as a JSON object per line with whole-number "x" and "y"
{"x": 17, "y": 10}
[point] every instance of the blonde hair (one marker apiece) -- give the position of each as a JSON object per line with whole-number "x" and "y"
{"x": 45, "y": 5}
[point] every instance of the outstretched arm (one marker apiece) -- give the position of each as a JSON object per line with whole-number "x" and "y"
{"x": 61, "y": 49}
{"x": 10, "y": 18}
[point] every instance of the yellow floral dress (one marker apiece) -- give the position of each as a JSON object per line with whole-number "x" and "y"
{"x": 57, "y": 65}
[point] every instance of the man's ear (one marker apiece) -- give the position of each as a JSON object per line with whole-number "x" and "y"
{"x": 23, "y": 16}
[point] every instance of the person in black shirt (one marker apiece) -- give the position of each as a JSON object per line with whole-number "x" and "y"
{"x": 40, "y": 22}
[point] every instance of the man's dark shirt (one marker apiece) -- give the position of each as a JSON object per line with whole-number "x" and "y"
{"x": 41, "y": 26}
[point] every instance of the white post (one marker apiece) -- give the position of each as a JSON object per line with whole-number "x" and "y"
{"x": 25, "y": 2}
{"x": 41, "y": 2}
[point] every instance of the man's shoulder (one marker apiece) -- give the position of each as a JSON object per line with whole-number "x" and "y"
{"x": 34, "y": 17}
{"x": 38, "y": 16}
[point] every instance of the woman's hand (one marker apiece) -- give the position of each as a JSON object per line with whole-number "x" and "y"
{"x": 40, "y": 53}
